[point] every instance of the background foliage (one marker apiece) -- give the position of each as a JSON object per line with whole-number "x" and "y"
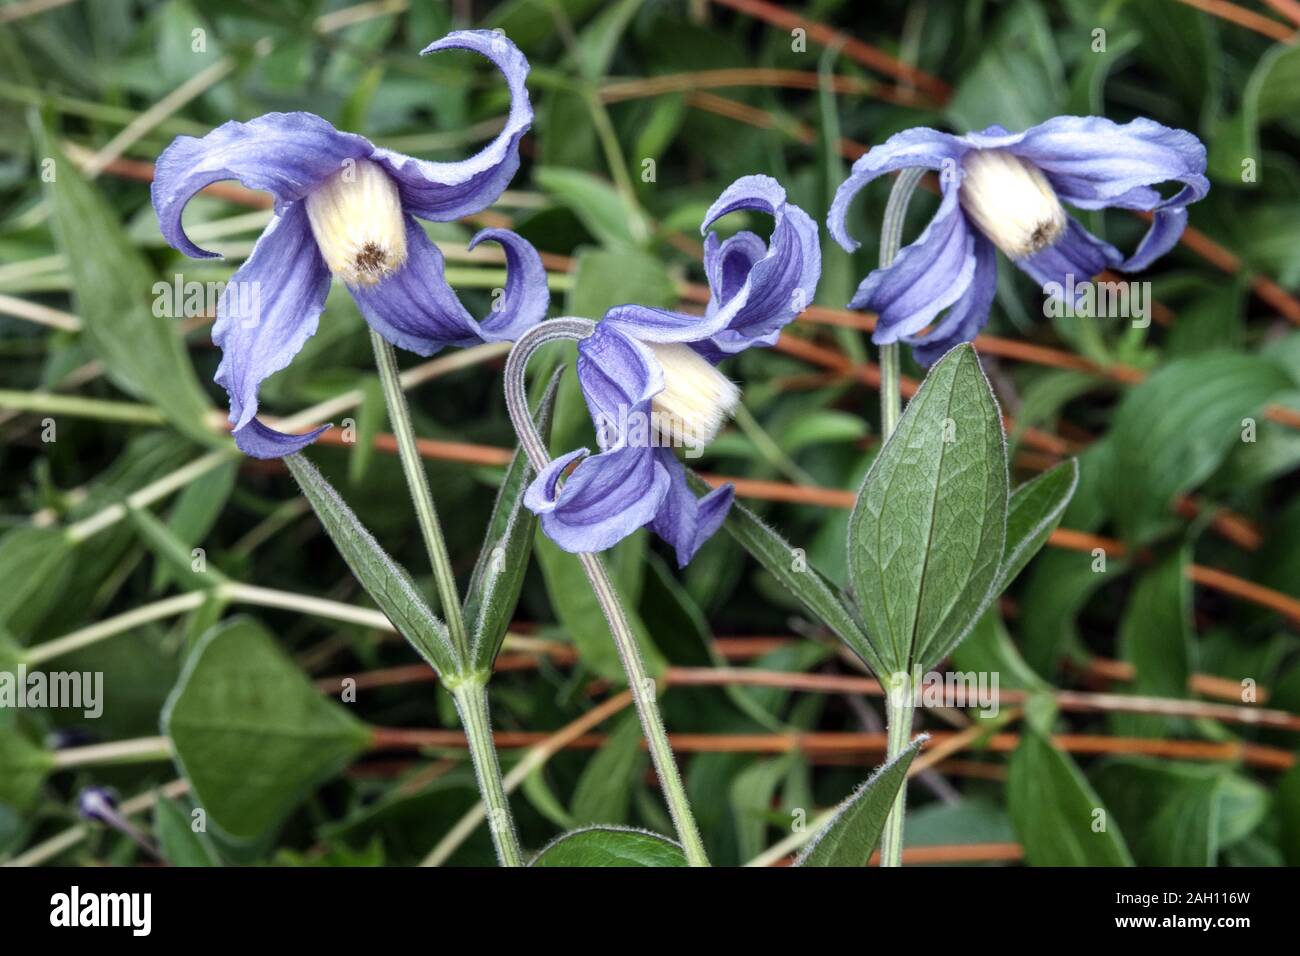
{"x": 646, "y": 109}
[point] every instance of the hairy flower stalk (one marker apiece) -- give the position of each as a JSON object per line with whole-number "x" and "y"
{"x": 641, "y": 684}
{"x": 899, "y": 705}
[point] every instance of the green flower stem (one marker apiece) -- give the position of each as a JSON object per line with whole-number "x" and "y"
{"x": 629, "y": 652}
{"x": 469, "y": 691}
{"x": 472, "y": 705}
{"x": 417, "y": 480}
{"x": 136, "y": 750}
{"x": 899, "y": 702}
{"x": 899, "y": 708}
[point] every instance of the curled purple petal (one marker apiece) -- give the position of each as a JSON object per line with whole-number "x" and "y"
{"x": 417, "y": 310}
{"x": 268, "y": 309}
{"x": 968, "y": 315}
{"x": 285, "y": 154}
{"x": 443, "y": 191}
{"x": 920, "y": 147}
{"x": 605, "y": 499}
{"x": 1095, "y": 163}
{"x": 1073, "y": 259}
{"x": 779, "y": 285}
{"x": 727, "y": 262}
{"x": 619, "y": 377}
{"x": 925, "y": 278}
{"x": 683, "y": 520}
{"x": 259, "y": 440}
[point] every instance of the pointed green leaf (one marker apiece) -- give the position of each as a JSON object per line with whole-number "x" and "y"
{"x": 499, "y": 573}
{"x": 1059, "y": 817}
{"x": 251, "y": 733}
{"x": 926, "y": 534}
{"x": 1033, "y": 513}
{"x": 112, "y": 289}
{"x": 853, "y": 833}
{"x": 1174, "y": 429}
{"x": 33, "y": 562}
{"x": 180, "y": 843}
{"x": 611, "y": 846}
{"x": 383, "y": 578}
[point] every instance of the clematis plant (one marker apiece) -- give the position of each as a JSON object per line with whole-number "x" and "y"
{"x": 347, "y": 208}
{"x": 1003, "y": 190}
{"x": 650, "y": 382}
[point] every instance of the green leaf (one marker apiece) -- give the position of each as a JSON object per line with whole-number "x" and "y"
{"x": 1156, "y": 637}
{"x": 33, "y": 562}
{"x": 603, "y": 278}
{"x": 172, "y": 552}
{"x": 197, "y": 509}
{"x": 23, "y": 767}
{"x": 1017, "y": 80}
{"x": 1033, "y": 513}
{"x": 251, "y": 733}
{"x": 112, "y": 287}
{"x": 604, "y": 790}
{"x": 384, "y": 579}
{"x": 499, "y": 572}
{"x": 594, "y": 201}
{"x": 853, "y": 833}
{"x": 180, "y": 843}
{"x": 580, "y": 614}
{"x": 1172, "y": 431}
{"x": 611, "y": 846}
{"x": 926, "y": 534}
{"x": 988, "y": 649}
{"x": 1170, "y": 810}
{"x": 1059, "y": 817}
{"x": 792, "y": 570}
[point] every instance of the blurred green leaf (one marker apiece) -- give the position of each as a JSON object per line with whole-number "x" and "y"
{"x": 1059, "y": 817}
{"x": 143, "y": 351}
{"x": 1033, "y": 513}
{"x": 180, "y": 843}
{"x": 251, "y": 733}
{"x": 1172, "y": 430}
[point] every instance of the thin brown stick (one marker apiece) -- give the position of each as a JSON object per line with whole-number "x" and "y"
{"x": 855, "y": 49}
{"x": 1264, "y": 26}
{"x": 836, "y": 742}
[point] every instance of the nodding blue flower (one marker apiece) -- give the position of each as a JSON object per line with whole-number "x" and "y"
{"x": 1004, "y": 190}
{"x": 346, "y": 207}
{"x": 649, "y": 380}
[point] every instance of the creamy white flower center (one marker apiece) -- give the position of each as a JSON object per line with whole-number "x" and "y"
{"x": 697, "y": 399}
{"x": 1011, "y": 202}
{"x": 356, "y": 217}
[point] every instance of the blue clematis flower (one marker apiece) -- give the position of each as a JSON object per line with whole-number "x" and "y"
{"x": 346, "y": 207}
{"x": 649, "y": 380}
{"x": 1004, "y": 190}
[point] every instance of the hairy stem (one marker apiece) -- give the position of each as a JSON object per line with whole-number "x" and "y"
{"x": 629, "y": 652}
{"x": 472, "y": 705}
{"x": 899, "y": 703}
{"x": 417, "y": 480}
